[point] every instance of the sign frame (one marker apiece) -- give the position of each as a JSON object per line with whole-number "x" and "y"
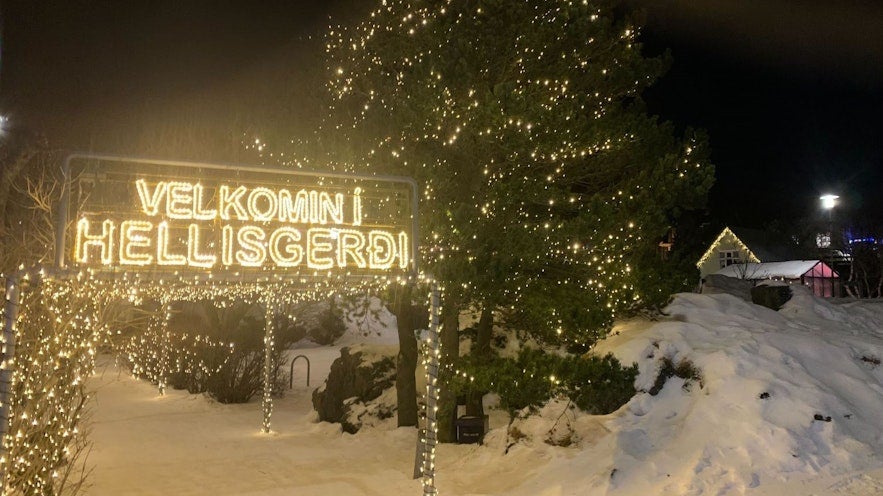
{"x": 62, "y": 244}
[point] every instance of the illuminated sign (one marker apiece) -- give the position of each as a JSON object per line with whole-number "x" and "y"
{"x": 137, "y": 214}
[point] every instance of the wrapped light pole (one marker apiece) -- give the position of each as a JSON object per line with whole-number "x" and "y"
{"x": 269, "y": 369}
{"x": 431, "y": 362}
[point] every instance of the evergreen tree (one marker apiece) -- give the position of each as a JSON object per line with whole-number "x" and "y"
{"x": 545, "y": 183}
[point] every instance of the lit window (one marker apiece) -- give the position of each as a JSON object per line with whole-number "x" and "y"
{"x": 729, "y": 257}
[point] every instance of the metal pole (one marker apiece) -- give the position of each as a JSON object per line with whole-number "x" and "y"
{"x": 10, "y": 316}
{"x": 164, "y": 347}
{"x": 267, "y": 404}
{"x": 430, "y": 439}
{"x": 291, "y": 372}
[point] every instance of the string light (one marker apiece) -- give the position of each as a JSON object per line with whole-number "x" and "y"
{"x": 341, "y": 245}
{"x": 71, "y": 313}
{"x": 68, "y": 313}
{"x": 545, "y": 187}
{"x": 730, "y": 236}
{"x": 431, "y": 356}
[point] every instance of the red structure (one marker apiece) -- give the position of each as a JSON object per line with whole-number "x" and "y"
{"x": 815, "y": 274}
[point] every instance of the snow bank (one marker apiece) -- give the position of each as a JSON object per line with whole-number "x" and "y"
{"x": 786, "y": 396}
{"x": 791, "y": 403}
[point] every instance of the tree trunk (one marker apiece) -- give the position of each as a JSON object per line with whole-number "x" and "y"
{"x": 482, "y": 350}
{"x": 450, "y": 351}
{"x": 850, "y": 286}
{"x": 406, "y": 360}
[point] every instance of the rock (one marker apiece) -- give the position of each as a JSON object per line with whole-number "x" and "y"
{"x": 357, "y": 378}
{"x": 770, "y": 296}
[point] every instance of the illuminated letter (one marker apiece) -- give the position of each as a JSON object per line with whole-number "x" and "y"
{"x": 314, "y": 207}
{"x": 103, "y": 241}
{"x": 357, "y": 207}
{"x": 150, "y": 202}
{"x": 194, "y": 258}
{"x": 253, "y": 252}
{"x": 256, "y": 213}
{"x": 198, "y": 202}
{"x": 314, "y": 245}
{"x": 381, "y": 250}
{"x": 163, "y": 257}
{"x": 350, "y": 243}
{"x": 328, "y": 208}
{"x": 133, "y": 234}
{"x": 404, "y": 259}
{"x": 228, "y": 200}
{"x": 227, "y": 246}
{"x": 179, "y": 201}
{"x": 290, "y": 254}
{"x": 299, "y": 211}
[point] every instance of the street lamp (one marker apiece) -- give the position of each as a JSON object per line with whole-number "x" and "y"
{"x": 829, "y": 202}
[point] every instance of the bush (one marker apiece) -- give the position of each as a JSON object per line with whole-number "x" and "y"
{"x": 221, "y": 352}
{"x": 194, "y": 360}
{"x": 330, "y": 325}
{"x": 685, "y": 369}
{"x": 598, "y": 385}
{"x": 773, "y": 297}
{"x": 239, "y": 377}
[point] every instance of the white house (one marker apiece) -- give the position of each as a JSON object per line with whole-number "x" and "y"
{"x": 741, "y": 245}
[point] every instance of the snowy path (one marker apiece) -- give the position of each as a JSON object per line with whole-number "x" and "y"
{"x": 182, "y": 444}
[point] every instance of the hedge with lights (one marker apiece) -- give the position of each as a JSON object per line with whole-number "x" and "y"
{"x": 57, "y": 332}
{"x": 56, "y": 345}
{"x": 224, "y": 357}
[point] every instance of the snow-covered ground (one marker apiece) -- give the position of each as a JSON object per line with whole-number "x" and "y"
{"x": 751, "y": 427}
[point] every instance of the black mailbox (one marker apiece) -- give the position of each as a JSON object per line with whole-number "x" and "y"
{"x": 471, "y": 429}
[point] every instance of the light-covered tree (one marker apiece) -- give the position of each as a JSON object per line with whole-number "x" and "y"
{"x": 545, "y": 182}
{"x": 546, "y": 185}
{"x": 50, "y": 351}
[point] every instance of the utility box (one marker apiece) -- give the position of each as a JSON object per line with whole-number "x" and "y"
{"x": 471, "y": 429}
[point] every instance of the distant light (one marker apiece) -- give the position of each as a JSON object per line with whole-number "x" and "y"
{"x": 829, "y": 201}
{"x": 870, "y": 239}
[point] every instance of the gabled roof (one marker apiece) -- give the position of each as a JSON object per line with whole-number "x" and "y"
{"x": 761, "y": 246}
{"x": 768, "y": 246}
{"x": 791, "y": 269}
{"x": 751, "y": 256}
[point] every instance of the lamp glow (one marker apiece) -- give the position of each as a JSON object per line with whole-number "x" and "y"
{"x": 829, "y": 201}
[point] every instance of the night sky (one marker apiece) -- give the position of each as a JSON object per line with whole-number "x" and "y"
{"x": 789, "y": 91}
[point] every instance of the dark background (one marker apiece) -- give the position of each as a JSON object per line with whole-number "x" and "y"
{"x": 789, "y": 91}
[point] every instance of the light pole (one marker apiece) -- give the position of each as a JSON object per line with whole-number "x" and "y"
{"x": 829, "y": 201}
